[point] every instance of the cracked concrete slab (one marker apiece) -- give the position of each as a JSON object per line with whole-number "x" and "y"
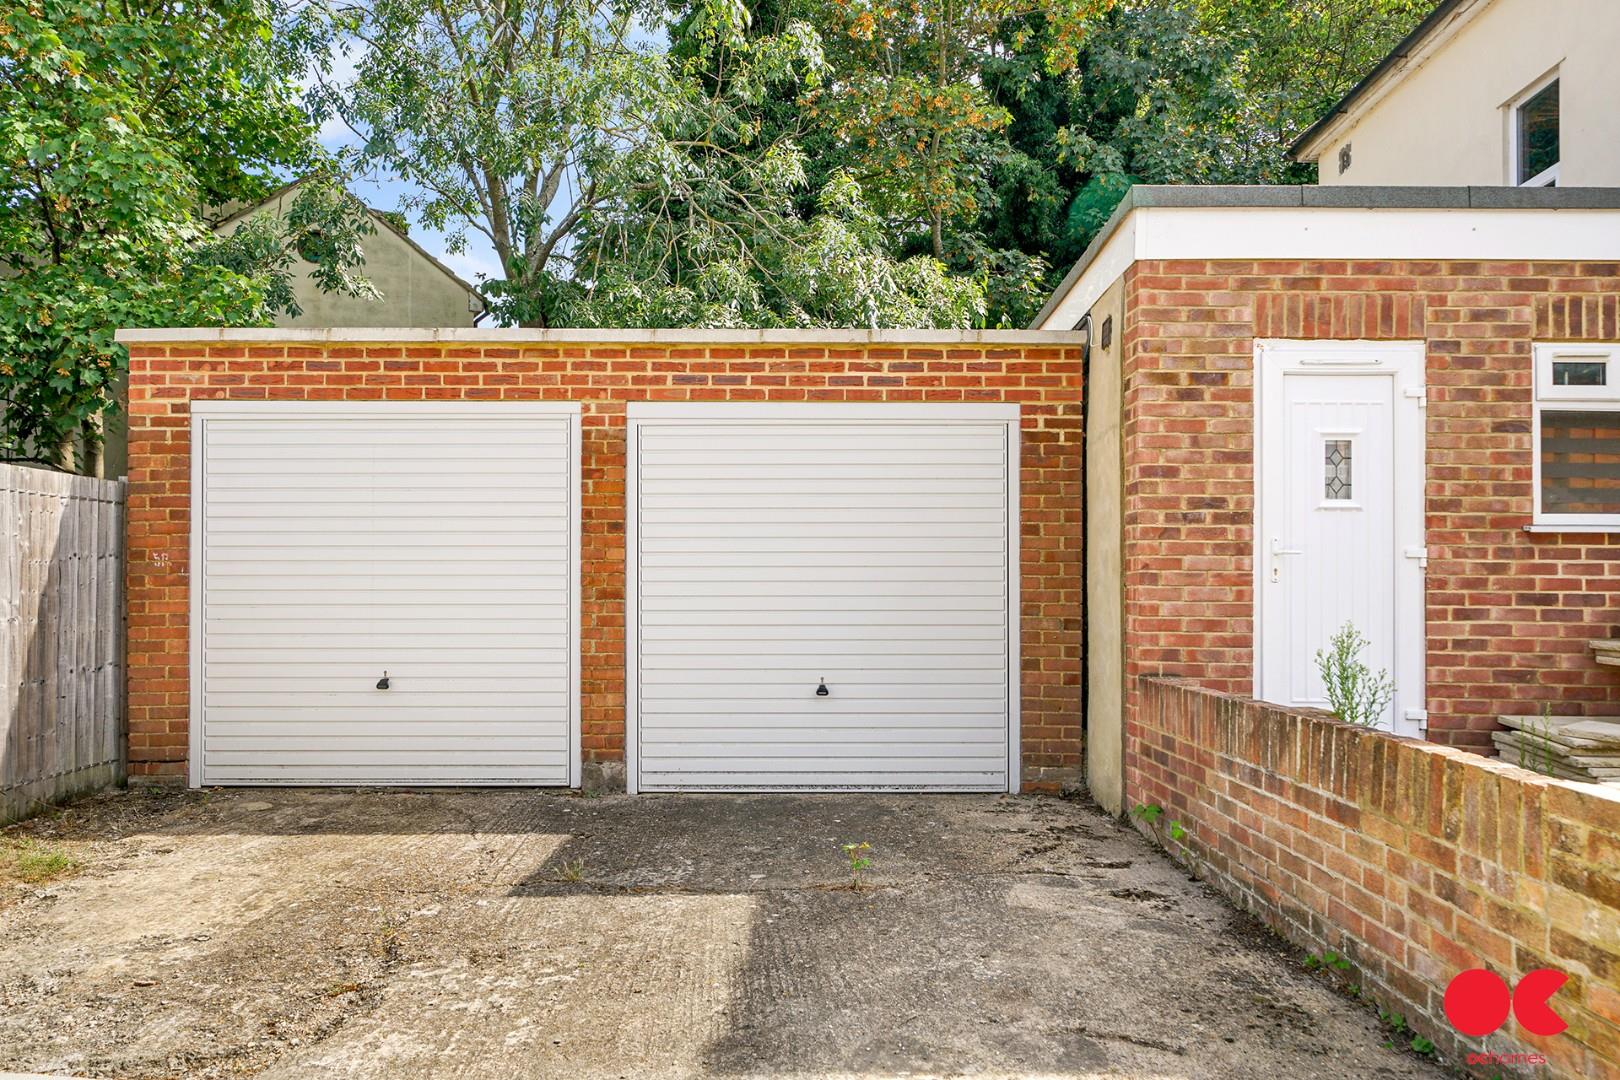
{"x": 474, "y": 935}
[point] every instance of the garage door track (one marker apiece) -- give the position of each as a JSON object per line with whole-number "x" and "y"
{"x": 496, "y": 935}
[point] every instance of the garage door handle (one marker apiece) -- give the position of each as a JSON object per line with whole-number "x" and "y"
{"x": 382, "y": 683}
{"x": 821, "y": 690}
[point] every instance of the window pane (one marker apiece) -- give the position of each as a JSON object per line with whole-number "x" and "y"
{"x": 1538, "y": 133}
{"x": 1336, "y": 461}
{"x": 1580, "y": 462}
{"x": 1579, "y": 373}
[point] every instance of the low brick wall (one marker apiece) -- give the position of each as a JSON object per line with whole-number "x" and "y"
{"x": 1415, "y": 861}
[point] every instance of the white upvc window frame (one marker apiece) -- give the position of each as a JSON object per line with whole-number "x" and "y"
{"x": 1549, "y": 175}
{"x": 1550, "y": 398}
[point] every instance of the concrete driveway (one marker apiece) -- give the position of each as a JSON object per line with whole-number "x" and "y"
{"x": 496, "y": 935}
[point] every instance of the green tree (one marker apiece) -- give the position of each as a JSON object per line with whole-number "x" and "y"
{"x": 1164, "y": 92}
{"x": 909, "y": 104}
{"x": 511, "y": 119}
{"x": 621, "y": 183}
{"x": 728, "y": 230}
{"x": 119, "y": 127}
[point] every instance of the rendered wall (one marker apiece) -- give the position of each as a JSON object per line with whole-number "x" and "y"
{"x": 1445, "y": 123}
{"x": 1105, "y": 587}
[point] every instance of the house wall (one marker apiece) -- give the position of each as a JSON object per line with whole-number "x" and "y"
{"x": 1445, "y": 121}
{"x": 1509, "y": 612}
{"x": 415, "y": 290}
{"x": 1040, "y": 372}
{"x": 1412, "y": 861}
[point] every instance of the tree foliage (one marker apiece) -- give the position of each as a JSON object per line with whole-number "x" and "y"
{"x": 120, "y": 125}
{"x": 620, "y": 183}
{"x": 795, "y": 162}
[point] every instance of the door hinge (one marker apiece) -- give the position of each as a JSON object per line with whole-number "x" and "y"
{"x": 1421, "y": 393}
{"x": 1421, "y": 554}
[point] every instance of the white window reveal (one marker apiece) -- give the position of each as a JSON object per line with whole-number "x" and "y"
{"x": 1534, "y": 119}
{"x": 1577, "y": 454}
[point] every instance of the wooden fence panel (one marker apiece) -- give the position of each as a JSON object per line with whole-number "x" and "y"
{"x": 62, "y": 657}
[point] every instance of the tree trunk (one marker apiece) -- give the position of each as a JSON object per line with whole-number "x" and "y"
{"x": 67, "y": 453}
{"x": 93, "y": 462}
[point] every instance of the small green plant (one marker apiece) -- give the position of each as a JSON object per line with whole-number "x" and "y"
{"x": 1421, "y": 1045}
{"x": 1395, "y": 1021}
{"x": 859, "y": 862}
{"x": 1329, "y": 961}
{"x": 34, "y": 863}
{"x": 1149, "y": 814}
{"x": 1355, "y": 694}
{"x": 1536, "y": 749}
{"x": 573, "y": 870}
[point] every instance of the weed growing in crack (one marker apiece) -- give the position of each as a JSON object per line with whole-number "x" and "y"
{"x": 1537, "y": 751}
{"x": 573, "y": 870}
{"x": 859, "y": 862}
{"x": 385, "y": 946}
{"x": 1328, "y": 961}
{"x": 1396, "y": 1022}
{"x": 1149, "y": 814}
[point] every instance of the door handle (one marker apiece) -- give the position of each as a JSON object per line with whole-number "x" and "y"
{"x": 1277, "y": 552}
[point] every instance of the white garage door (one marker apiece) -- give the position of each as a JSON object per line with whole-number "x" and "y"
{"x": 780, "y": 549}
{"x": 334, "y": 545}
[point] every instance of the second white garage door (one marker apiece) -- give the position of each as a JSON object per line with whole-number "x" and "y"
{"x": 339, "y": 545}
{"x": 821, "y": 597}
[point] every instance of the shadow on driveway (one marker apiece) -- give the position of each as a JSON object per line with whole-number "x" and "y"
{"x": 513, "y": 934}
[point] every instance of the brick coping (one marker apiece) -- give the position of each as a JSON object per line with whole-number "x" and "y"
{"x": 586, "y": 336}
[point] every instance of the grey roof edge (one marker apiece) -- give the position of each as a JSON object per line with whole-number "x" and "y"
{"x": 1342, "y": 197}
{"x": 1404, "y": 48}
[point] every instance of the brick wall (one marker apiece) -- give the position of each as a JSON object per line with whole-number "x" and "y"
{"x": 1509, "y": 613}
{"x": 1043, "y": 378}
{"x": 1413, "y": 860}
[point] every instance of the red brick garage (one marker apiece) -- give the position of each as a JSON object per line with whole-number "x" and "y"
{"x": 1039, "y": 374}
{"x": 1185, "y": 294}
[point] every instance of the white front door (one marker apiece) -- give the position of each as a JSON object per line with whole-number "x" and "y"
{"x": 1339, "y": 516}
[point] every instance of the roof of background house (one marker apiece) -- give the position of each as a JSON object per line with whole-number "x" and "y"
{"x": 1408, "y": 45}
{"x": 245, "y": 210}
{"x": 1340, "y": 197}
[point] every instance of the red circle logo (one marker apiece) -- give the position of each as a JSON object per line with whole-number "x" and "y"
{"x": 1477, "y": 1002}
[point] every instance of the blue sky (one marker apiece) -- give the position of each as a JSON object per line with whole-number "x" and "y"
{"x": 384, "y": 192}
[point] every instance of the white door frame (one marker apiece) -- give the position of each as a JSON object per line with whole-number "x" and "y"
{"x": 1404, "y": 362}
{"x": 204, "y": 411}
{"x": 638, "y": 413}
